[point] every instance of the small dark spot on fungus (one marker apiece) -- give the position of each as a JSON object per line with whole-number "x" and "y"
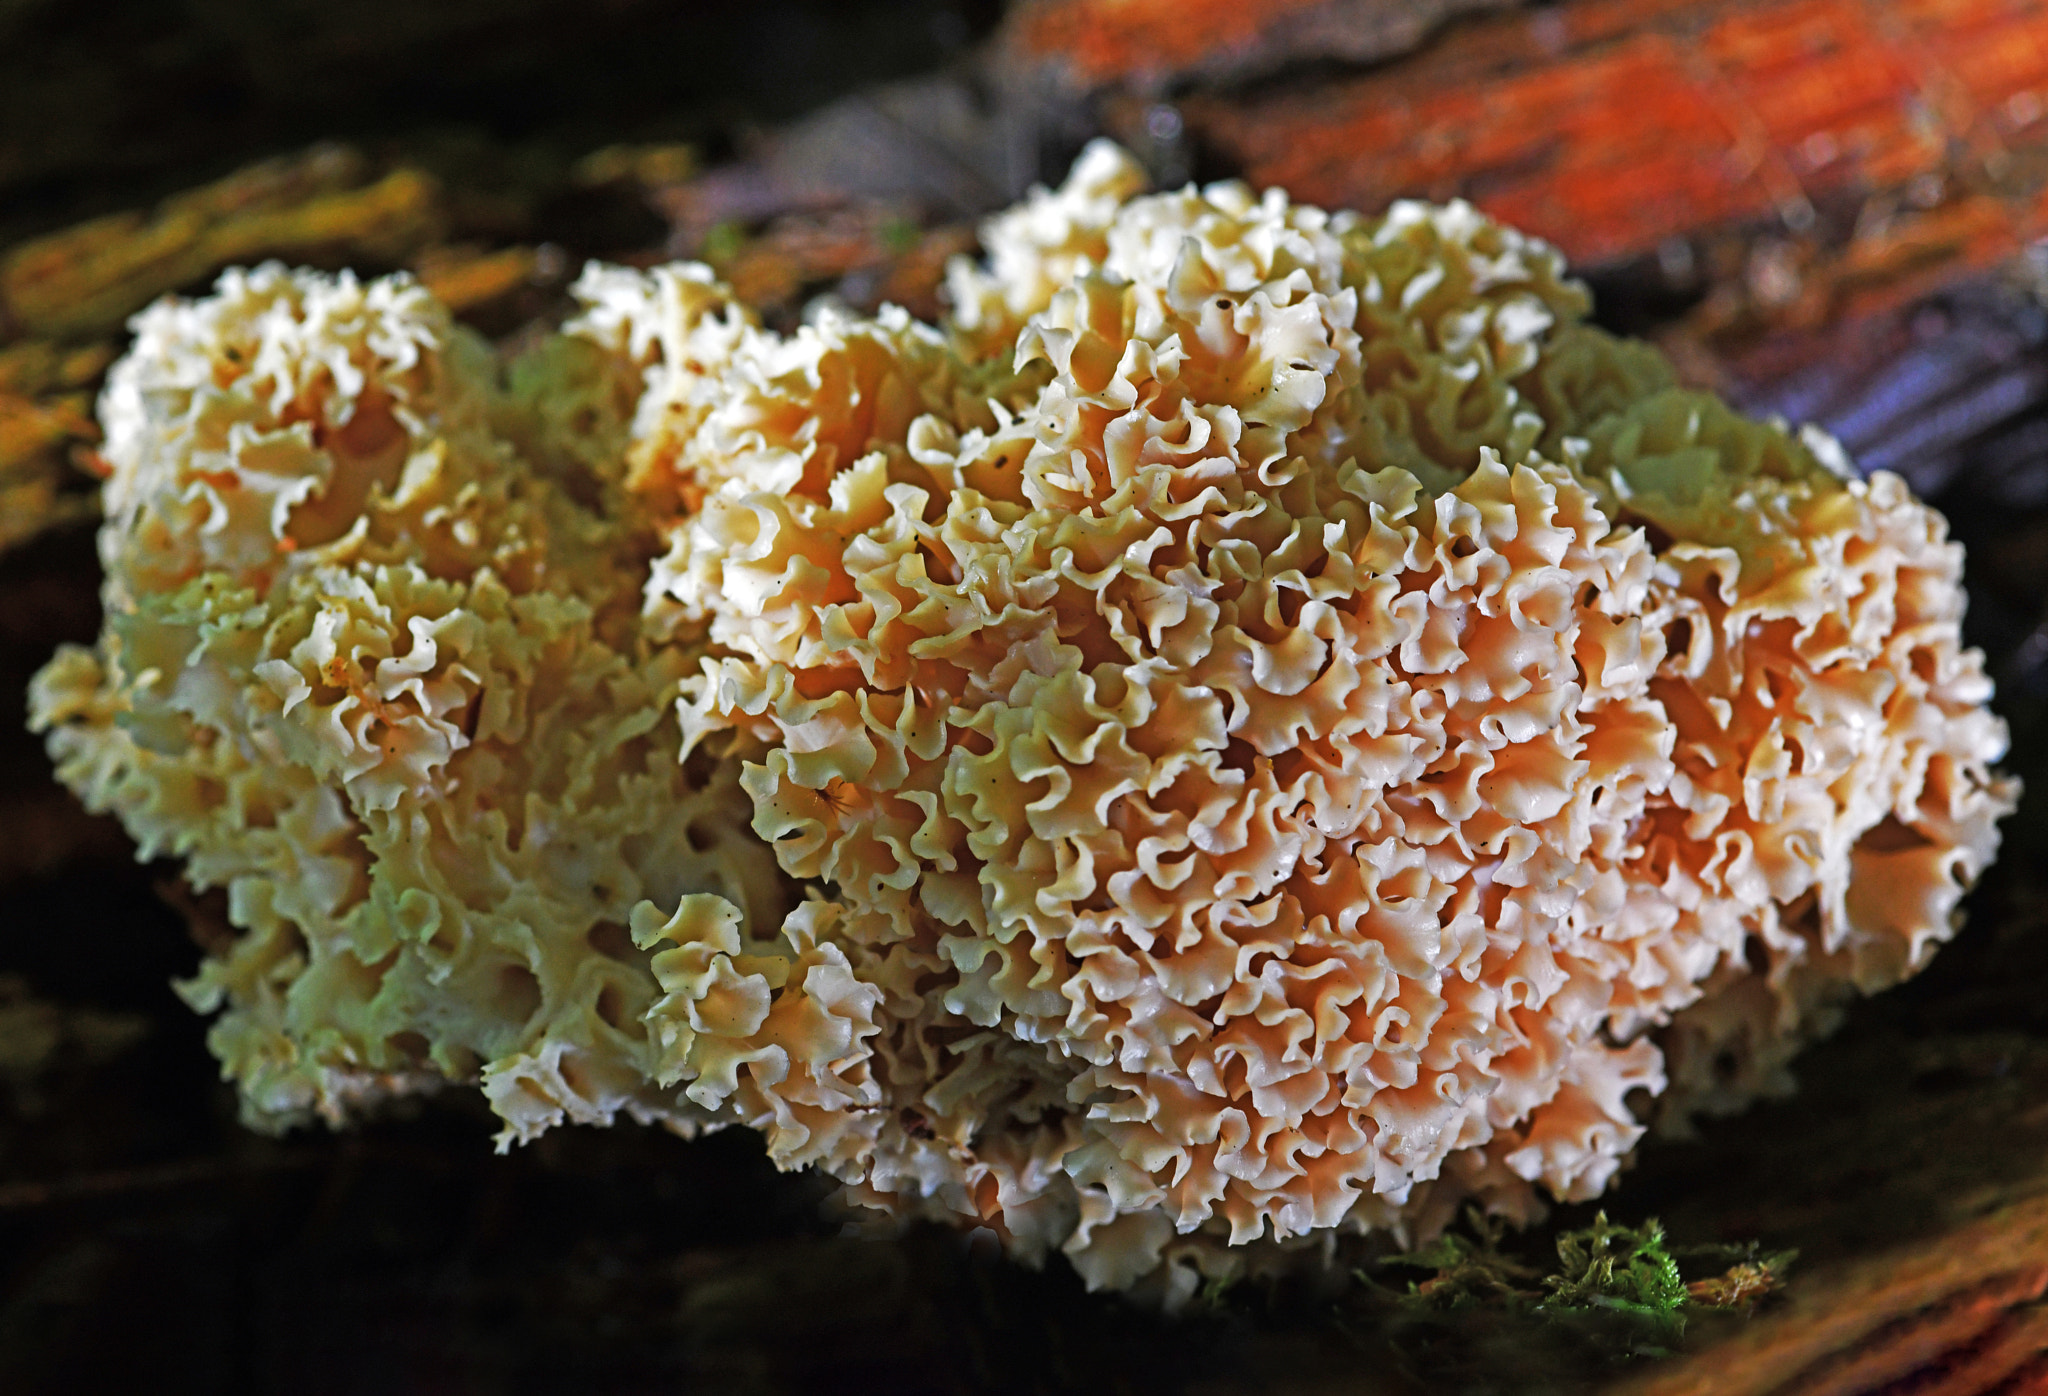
{"x": 615, "y": 942}
{"x": 1239, "y": 755}
{"x": 1756, "y": 955}
{"x": 1890, "y": 835}
{"x": 1659, "y": 540}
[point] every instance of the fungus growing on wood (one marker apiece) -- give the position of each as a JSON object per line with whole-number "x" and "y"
{"x": 1265, "y": 725}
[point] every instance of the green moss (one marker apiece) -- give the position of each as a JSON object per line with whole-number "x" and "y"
{"x": 1613, "y": 1293}
{"x": 1617, "y": 1269}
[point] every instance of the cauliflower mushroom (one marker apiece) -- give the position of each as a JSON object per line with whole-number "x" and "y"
{"x": 1263, "y": 725}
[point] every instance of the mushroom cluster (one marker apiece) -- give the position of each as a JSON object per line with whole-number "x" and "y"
{"x": 1262, "y": 725}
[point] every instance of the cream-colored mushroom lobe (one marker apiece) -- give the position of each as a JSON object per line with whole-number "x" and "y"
{"x": 1263, "y": 725}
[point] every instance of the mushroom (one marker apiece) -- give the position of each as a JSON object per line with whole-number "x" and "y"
{"x": 1265, "y": 725}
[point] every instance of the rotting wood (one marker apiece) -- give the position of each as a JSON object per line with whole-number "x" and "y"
{"x": 1959, "y": 1305}
{"x": 1611, "y": 126}
{"x": 1155, "y": 44}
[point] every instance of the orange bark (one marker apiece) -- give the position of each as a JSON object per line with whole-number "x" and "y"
{"x": 1957, "y": 1315}
{"x": 1609, "y": 127}
{"x": 1102, "y": 41}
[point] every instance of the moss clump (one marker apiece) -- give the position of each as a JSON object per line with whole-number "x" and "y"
{"x": 1615, "y": 1292}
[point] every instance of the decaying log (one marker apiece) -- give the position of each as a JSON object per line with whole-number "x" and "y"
{"x": 1158, "y": 45}
{"x": 88, "y": 279}
{"x": 1613, "y": 126}
{"x": 1960, "y": 1317}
